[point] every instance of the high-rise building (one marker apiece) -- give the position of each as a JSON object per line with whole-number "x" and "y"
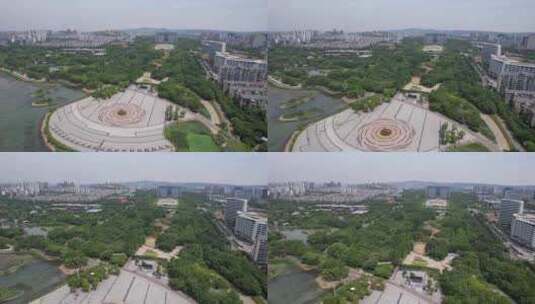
{"x": 435, "y": 38}
{"x": 487, "y": 50}
{"x": 484, "y": 192}
{"x": 528, "y": 42}
{"x": 250, "y": 226}
{"x": 169, "y": 191}
{"x": 438, "y": 192}
{"x": 166, "y": 37}
{"x": 211, "y": 48}
{"x": 512, "y": 75}
{"x": 260, "y": 252}
{"x": 232, "y": 207}
{"x": 235, "y": 68}
{"x": 523, "y": 229}
{"x": 508, "y": 208}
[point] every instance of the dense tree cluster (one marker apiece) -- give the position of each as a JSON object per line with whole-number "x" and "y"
{"x": 114, "y": 233}
{"x": 385, "y": 72}
{"x": 186, "y": 76}
{"x": 118, "y": 67}
{"x": 190, "y": 274}
{"x": 367, "y": 104}
{"x": 375, "y": 242}
{"x": 180, "y": 95}
{"x": 207, "y": 264}
{"x": 461, "y": 88}
{"x": 90, "y": 278}
{"x": 483, "y": 261}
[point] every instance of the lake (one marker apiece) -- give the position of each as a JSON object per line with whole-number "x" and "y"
{"x": 19, "y": 121}
{"x": 316, "y": 106}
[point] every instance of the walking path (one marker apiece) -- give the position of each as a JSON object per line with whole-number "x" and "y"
{"x": 501, "y": 140}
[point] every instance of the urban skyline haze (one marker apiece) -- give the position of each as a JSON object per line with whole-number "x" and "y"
{"x": 218, "y": 168}
{"x": 370, "y": 15}
{"x": 232, "y": 15}
{"x": 486, "y": 168}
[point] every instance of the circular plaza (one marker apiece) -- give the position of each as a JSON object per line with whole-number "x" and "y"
{"x": 129, "y": 121}
{"x": 400, "y": 125}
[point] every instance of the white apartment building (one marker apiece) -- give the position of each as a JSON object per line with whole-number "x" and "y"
{"x": 508, "y": 208}
{"x": 523, "y": 229}
{"x": 250, "y": 226}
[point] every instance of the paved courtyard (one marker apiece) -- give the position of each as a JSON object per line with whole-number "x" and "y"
{"x": 400, "y": 125}
{"x": 130, "y": 121}
{"x": 396, "y": 291}
{"x": 130, "y": 287}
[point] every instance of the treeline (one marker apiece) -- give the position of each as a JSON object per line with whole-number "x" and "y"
{"x": 483, "y": 261}
{"x": 462, "y": 96}
{"x": 206, "y": 265}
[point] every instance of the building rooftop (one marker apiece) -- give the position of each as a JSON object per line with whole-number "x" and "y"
{"x": 253, "y": 216}
{"x": 530, "y": 218}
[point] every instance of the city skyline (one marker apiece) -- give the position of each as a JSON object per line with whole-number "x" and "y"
{"x": 383, "y": 15}
{"x": 233, "y": 15}
{"x": 216, "y": 168}
{"x": 483, "y": 168}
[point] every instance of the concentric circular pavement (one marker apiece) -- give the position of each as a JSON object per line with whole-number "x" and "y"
{"x": 384, "y": 135}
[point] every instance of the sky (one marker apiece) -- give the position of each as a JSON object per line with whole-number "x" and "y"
{"x": 222, "y": 168}
{"x": 487, "y": 168}
{"x": 366, "y": 15}
{"x": 88, "y": 15}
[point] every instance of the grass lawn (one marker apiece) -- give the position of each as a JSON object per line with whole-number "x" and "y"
{"x": 191, "y": 137}
{"x": 472, "y": 147}
{"x": 201, "y": 143}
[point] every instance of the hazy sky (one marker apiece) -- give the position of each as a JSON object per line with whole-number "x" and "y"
{"x": 492, "y": 168}
{"x": 232, "y": 168}
{"x": 239, "y": 15}
{"x": 363, "y": 15}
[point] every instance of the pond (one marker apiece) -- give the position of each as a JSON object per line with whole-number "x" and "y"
{"x": 294, "y": 286}
{"x": 33, "y": 280}
{"x": 301, "y": 107}
{"x": 296, "y": 234}
{"x": 19, "y": 120}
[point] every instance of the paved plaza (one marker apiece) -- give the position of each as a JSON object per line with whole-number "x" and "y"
{"x": 130, "y": 121}
{"x": 127, "y": 288}
{"x": 400, "y": 125}
{"x": 397, "y": 291}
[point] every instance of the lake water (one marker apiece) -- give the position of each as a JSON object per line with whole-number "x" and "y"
{"x": 35, "y": 279}
{"x": 19, "y": 121}
{"x": 319, "y": 106}
{"x": 295, "y": 286}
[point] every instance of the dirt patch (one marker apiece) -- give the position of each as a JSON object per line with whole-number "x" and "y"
{"x": 419, "y": 248}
